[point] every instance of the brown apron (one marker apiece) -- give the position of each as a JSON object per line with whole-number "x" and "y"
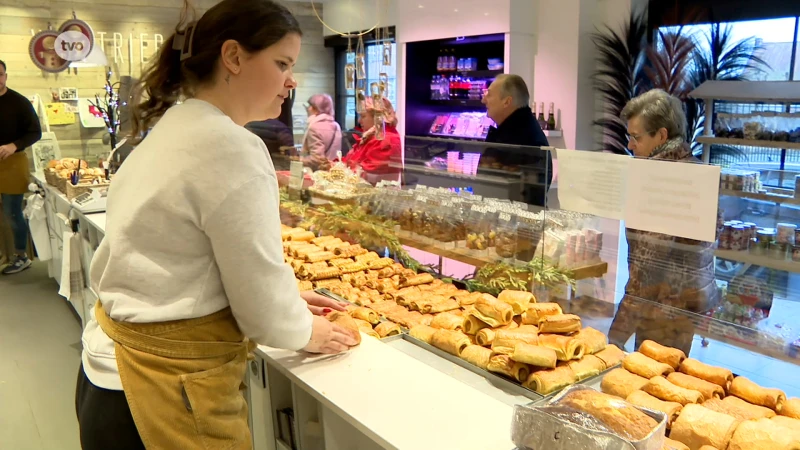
{"x": 14, "y": 174}
{"x": 183, "y": 380}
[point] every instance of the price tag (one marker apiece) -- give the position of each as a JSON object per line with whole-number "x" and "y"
{"x": 296, "y": 175}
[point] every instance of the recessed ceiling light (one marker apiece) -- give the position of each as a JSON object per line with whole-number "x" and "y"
{"x": 420, "y": 6}
{"x": 455, "y": 10}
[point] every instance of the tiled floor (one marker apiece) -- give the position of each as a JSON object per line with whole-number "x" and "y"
{"x": 39, "y": 359}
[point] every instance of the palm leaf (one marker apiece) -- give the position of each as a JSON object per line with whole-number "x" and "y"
{"x": 669, "y": 58}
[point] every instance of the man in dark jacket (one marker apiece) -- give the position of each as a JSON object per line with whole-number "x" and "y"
{"x": 507, "y": 105}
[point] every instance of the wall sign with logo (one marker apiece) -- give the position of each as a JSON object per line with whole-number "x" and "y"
{"x": 52, "y": 50}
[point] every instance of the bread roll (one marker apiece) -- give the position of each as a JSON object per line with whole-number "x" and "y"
{"x": 560, "y": 324}
{"x": 422, "y": 332}
{"x": 304, "y": 236}
{"x": 492, "y": 311}
{"x": 448, "y": 321}
{"x": 477, "y": 355}
{"x": 747, "y": 410}
{"x": 619, "y": 416}
{"x": 791, "y": 408}
{"x": 621, "y": 383}
{"x": 788, "y": 423}
{"x": 567, "y": 348}
{"x": 611, "y": 355}
{"x": 416, "y": 280}
{"x": 646, "y": 367}
{"x": 757, "y": 395}
{"x": 503, "y": 364}
{"x": 519, "y": 300}
{"x": 452, "y": 342}
{"x": 547, "y": 381}
{"x": 660, "y": 388}
{"x": 717, "y": 375}
{"x": 593, "y": 340}
{"x": 469, "y": 299}
{"x": 534, "y": 355}
{"x": 660, "y": 353}
{"x": 708, "y": 389}
{"x": 486, "y": 336}
{"x": 537, "y": 311}
{"x": 386, "y": 329}
{"x": 762, "y": 434}
{"x": 345, "y": 321}
{"x": 366, "y": 314}
{"x": 440, "y": 306}
{"x": 670, "y": 444}
{"x": 505, "y": 340}
{"x": 645, "y": 400}
{"x": 587, "y": 367}
{"x": 698, "y": 426}
{"x": 472, "y": 325}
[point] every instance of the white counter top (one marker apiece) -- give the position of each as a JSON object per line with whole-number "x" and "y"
{"x": 398, "y": 401}
{"x": 96, "y": 220}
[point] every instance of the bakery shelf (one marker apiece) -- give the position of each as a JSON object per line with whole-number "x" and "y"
{"x": 774, "y": 198}
{"x": 758, "y": 260}
{"x": 748, "y": 143}
{"x": 749, "y": 91}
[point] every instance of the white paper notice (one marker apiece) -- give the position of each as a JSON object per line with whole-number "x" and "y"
{"x": 296, "y": 175}
{"x": 678, "y": 199}
{"x": 592, "y": 182}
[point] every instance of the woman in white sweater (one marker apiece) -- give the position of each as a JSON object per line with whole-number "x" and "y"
{"x": 190, "y": 273}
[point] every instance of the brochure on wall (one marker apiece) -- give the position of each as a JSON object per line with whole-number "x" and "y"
{"x": 667, "y": 197}
{"x": 44, "y": 151}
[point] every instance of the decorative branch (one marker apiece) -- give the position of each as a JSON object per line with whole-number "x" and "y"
{"x": 109, "y": 108}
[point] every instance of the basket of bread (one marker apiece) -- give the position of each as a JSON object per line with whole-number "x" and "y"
{"x": 74, "y": 177}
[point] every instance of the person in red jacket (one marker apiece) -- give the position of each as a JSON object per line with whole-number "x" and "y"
{"x": 379, "y": 159}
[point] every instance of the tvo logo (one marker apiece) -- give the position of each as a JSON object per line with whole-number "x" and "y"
{"x": 73, "y": 46}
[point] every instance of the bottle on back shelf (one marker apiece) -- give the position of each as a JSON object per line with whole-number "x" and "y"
{"x": 440, "y": 62}
{"x": 451, "y": 60}
{"x": 540, "y": 119}
{"x": 551, "y": 118}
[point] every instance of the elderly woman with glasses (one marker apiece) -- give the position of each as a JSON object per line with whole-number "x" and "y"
{"x": 323, "y": 138}
{"x": 664, "y": 269}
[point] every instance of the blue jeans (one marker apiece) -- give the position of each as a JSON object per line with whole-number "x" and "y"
{"x": 12, "y": 209}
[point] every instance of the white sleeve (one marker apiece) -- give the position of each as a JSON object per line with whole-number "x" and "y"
{"x": 246, "y": 239}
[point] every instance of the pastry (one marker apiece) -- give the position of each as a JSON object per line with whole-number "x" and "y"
{"x": 662, "y": 389}
{"x": 453, "y": 342}
{"x": 791, "y": 408}
{"x": 350, "y": 251}
{"x": 519, "y": 300}
{"x": 448, "y": 321}
{"x": 301, "y": 236}
{"x": 505, "y": 340}
{"x": 645, "y": 400}
{"x": 538, "y": 310}
{"x": 763, "y": 434}
{"x": 757, "y": 395}
{"x": 561, "y": 324}
{"x": 441, "y": 306}
{"x": 422, "y": 332}
{"x": 708, "y": 389}
{"x": 477, "y": 355}
{"x": 619, "y": 416}
{"x": 587, "y": 367}
{"x": 788, "y": 423}
{"x": 386, "y": 329}
{"x": 736, "y": 407}
{"x": 322, "y": 239}
{"x": 352, "y": 267}
{"x": 660, "y": 353}
{"x": 345, "y": 321}
{"x": 381, "y": 263}
{"x": 567, "y": 348}
{"x": 670, "y": 444}
{"x": 472, "y": 324}
{"x": 593, "y": 341}
{"x": 330, "y": 283}
{"x": 550, "y": 380}
{"x": 367, "y": 256}
{"x": 611, "y": 355}
{"x": 493, "y": 311}
{"x": 304, "y": 286}
{"x": 323, "y": 274}
{"x": 642, "y": 365}
{"x": 505, "y": 365}
{"x": 621, "y": 383}
{"x": 698, "y": 426}
{"x": 717, "y": 375}
{"x": 416, "y": 280}
{"x": 534, "y": 355}
{"x": 366, "y": 314}
{"x": 469, "y": 299}
{"x": 320, "y": 256}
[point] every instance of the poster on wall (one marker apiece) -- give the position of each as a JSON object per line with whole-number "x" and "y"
{"x": 57, "y": 114}
{"x": 91, "y": 117}
{"x": 44, "y": 151}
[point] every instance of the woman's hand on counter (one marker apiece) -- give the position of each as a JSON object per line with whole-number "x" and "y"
{"x": 321, "y": 305}
{"x": 329, "y": 338}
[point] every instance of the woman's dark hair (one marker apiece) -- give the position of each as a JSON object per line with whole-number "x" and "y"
{"x": 254, "y": 24}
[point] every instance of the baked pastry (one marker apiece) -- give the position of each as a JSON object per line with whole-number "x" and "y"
{"x": 320, "y": 256}
{"x": 670, "y": 444}
{"x": 645, "y": 400}
{"x": 660, "y": 353}
{"x": 698, "y": 426}
{"x": 550, "y": 380}
{"x": 537, "y": 311}
{"x": 662, "y": 389}
{"x": 534, "y": 355}
{"x": 505, "y": 365}
{"x": 441, "y": 306}
{"x": 505, "y": 340}
{"x": 708, "y": 389}
{"x": 560, "y": 324}
{"x": 469, "y": 299}
{"x": 486, "y": 336}
{"x": 386, "y": 329}
{"x": 304, "y": 286}
{"x": 757, "y": 395}
{"x": 621, "y": 383}
{"x": 519, "y": 300}
{"x": 472, "y": 324}
{"x": 717, "y": 375}
{"x": 422, "y": 332}
{"x": 611, "y": 355}
{"x": 366, "y": 314}
{"x": 736, "y": 407}
{"x": 448, "y": 321}
{"x": 416, "y": 280}
{"x": 323, "y": 274}
{"x": 301, "y": 236}
{"x": 350, "y": 251}
{"x": 453, "y": 342}
{"x": 587, "y": 367}
{"x": 763, "y": 434}
{"x": 647, "y": 367}
{"x": 593, "y": 340}
{"x": 345, "y": 321}
{"x": 788, "y": 423}
{"x": 567, "y": 348}
{"x": 791, "y": 408}
{"x": 619, "y": 416}
{"x": 477, "y": 355}
{"x": 367, "y": 256}
{"x": 493, "y": 311}
{"x": 708, "y": 447}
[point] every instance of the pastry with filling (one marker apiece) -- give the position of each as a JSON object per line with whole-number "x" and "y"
{"x": 503, "y": 364}
{"x": 537, "y": 311}
{"x": 646, "y": 367}
{"x": 660, "y": 353}
{"x": 662, "y": 389}
{"x": 519, "y": 300}
{"x": 708, "y": 389}
{"x": 757, "y": 395}
{"x": 763, "y": 434}
{"x": 505, "y": 340}
{"x": 717, "y": 375}
{"x": 472, "y": 325}
{"x": 345, "y": 321}
{"x": 535, "y": 355}
{"x": 645, "y": 400}
{"x": 453, "y": 342}
{"x": 594, "y": 341}
{"x": 738, "y": 408}
{"x": 698, "y": 426}
{"x": 621, "y": 383}
{"x": 587, "y": 367}
{"x": 567, "y": 348}
{"x": 448, "y": 321}
{"x": 477, "y": 355}
{"x": 560, "y": 324}
{"x": 386, "y": 329}
{"x": 550, "y": 380}
{"x": 611, "y": 355}
{"x": 492, "y": 311}
{"x": 422, "y": 332}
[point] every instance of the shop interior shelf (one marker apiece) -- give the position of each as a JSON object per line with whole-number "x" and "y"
{"x": 748, "y": 143}
{"x": 748, "y": 91}
{"x": 775, "y": 198}
{"x": 758, "y": 260}
{"x": 460, "y": 102}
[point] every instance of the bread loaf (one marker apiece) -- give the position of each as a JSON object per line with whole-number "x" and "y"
{"x": 618, "y": 415}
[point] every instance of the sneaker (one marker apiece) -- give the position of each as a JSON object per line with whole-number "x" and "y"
{"x": 22, "y": 263}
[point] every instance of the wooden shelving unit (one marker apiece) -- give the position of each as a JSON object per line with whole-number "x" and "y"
{"x": 759, "y": 260}
{"x": 711, "y": 140}
{"x": 774, "y": 198}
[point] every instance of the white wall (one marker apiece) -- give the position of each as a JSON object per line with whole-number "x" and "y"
{"x": 356, "y": 15}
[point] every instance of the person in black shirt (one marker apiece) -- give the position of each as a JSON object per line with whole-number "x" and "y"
{"x": 507, "y": 105}
{"x": 19, "y": 129}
